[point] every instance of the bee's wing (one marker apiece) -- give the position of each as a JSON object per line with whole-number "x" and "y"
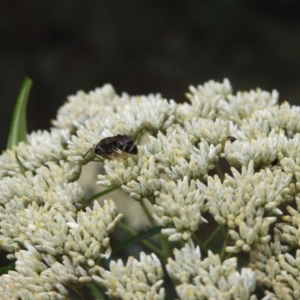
{"x": 108, "y": 141}
{"x": 124, "y": 138}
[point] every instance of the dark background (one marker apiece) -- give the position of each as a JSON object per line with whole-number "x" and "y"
{"x": 143, "y": 47}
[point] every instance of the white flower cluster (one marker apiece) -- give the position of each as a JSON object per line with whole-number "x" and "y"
{"x": 81, "y": 107}
{"x": 177, "y": 157}
{"x": 207, "y": 101}
{"x": 275, "y": 265}
{"x": 213, "y": 99}
{"x": 54, "y": 244}
{"x": 180, "y": 208}
{"x": 243, "y": 104}
{"x": 209, "y": 278}
{"x": 213, "y": 132}
{"x": 132, "y": 116}
{"x": 248, "y": 203}
{"x": 288, "y": 155}
{"x": 136, "y": 280}
{"x": 57, "y": 242}
{"x": 261, "y": 151}
{"x": 42, "y": 147}
{"x": 277, "y": 271}
{"x": 172, "y": 167}
{"x": 263, "y": 136}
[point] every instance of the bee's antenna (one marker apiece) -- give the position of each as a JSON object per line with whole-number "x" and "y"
{"x": 90, "y": 150}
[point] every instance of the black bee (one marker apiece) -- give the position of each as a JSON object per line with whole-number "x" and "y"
{"x": 115, "y": 144}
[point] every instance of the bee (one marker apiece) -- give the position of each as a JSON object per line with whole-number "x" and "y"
{"x": 114, "y": 145}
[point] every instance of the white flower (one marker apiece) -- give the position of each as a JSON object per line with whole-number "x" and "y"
{"x": 206, "y": 100}
{"x": 243, "y": 104}
{"x": 276, "y": 270}
{"x": 138, "y": 176}
{"x": 83, "y": 106}
{"x": 177, "y": 157}
{"x": 42, "y": 147}
{"x": 244, "y": 200}
{"x": 135, "y": 280}
{"x": 208, "y": 278}
{"x": 57, "y": 240}
{"x": 262, "y": 152}
{"x": 179, "y": 207}
{"x": 213, "y": 132}
{"x": 133, "y": 116}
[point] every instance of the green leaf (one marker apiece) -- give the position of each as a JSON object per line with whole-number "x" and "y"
{"x": 18, "y": 127}
{"x": 5, "y": 269}
{"x": 23, "y": 169}
{"x": 141, "y": 236}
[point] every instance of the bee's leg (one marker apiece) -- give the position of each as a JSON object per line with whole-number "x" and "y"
{"x": 107, "y": 157}
{"x": 116, "y": 151}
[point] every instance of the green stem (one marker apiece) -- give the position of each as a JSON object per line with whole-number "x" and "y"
{"x": 220, "y": 172}
{"x": 95, "y": 291}
{"x": 97, "y": 195}
{"x": 222, "y": 253}
{"x": 76, "y": 290}
{"x": 228, "y": 255}
{"x": 146, "y": 243}
{"x": 163, "y": 240}
{"x": 199, "y": 243}
{"x": 147, "y": 213}
{"x": 212, "y": 236}
{"x": 165, "y": 246}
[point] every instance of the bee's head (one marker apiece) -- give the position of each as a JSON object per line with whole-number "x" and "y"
{"x": 100, "y": 150}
